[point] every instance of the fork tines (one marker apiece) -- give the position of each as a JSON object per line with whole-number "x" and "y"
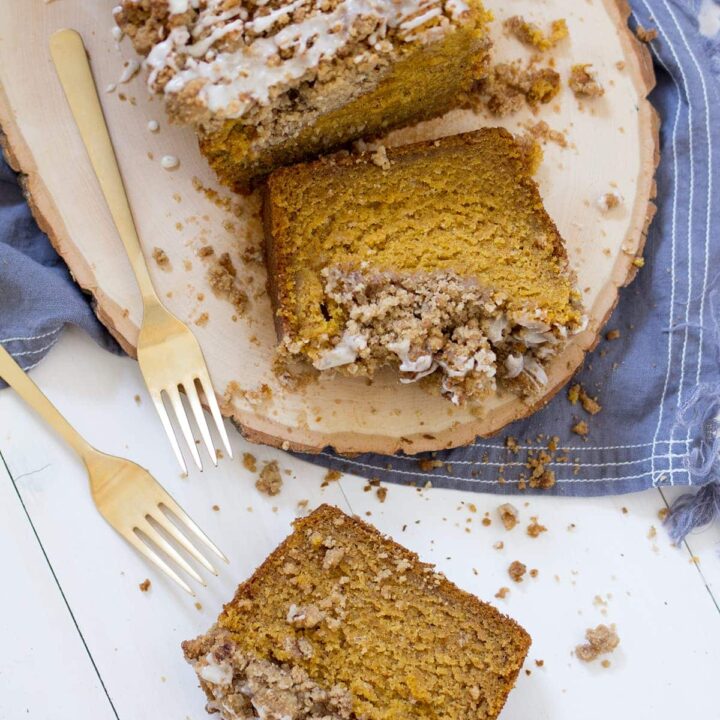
{"x": 170, "y": 521}
{"x": 189, "y": 389}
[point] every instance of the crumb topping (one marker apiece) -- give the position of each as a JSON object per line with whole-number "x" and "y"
{"x": 225, "y": 59}
{"x": 244, "y": 687}
{"x": 470, "y": 337}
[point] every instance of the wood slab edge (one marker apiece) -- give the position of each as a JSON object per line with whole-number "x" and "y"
{"x": 271, "y": 433}
{"x": 49, "y": 220}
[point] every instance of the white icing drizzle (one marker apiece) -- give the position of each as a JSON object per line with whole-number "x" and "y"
{"x": 271, "y": 51}
{"x": 344, "y": 353}
{"x": 212, "y": 671}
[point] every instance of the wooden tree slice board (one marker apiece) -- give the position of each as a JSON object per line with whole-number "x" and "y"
{"x": 613, "y": 147}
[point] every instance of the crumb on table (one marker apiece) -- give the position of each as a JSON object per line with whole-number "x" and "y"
{"x": 145, "y": 585}
{"x": 581, "y": 428}
{"x": 502, "y": 593}
{"x": 249, "y": 462}
{"x": 600, "y": 641}
{"x": 517, "y": 570}
{"x": 535, "y": 529}
{"x": 612, "y": 335}
{"x": 508, "y": 515}
{"x": 331, "y": 476}
{"x": 270, "y": 481}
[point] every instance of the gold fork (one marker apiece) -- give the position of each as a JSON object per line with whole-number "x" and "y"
{"x": 126, "y": 495}
{"x": 170, "y": 357}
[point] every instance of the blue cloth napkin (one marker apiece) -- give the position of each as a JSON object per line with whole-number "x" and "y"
{"x": 659, "y": 383}
{"x": 37, "y": 294}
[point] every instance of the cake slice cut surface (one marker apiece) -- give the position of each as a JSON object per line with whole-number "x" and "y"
{"x": 271, "y": 83}
{"x": 437, "y": 259}
{"x": 341, "y": 623}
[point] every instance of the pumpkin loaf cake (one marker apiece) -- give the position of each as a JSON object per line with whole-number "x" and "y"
{"x": 272, "y": 82}
{"x": 437, "y": 259}
{"x": 341, "y": 623}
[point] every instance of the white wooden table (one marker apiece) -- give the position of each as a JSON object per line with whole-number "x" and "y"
{"x": 80, "y": 641}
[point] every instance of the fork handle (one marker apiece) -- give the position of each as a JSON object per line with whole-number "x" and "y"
{"x": 73, "y": 68}
{"x": 19, "y": 381}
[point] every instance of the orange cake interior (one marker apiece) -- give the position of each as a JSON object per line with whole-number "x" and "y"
{"x": 271, "y": 83}
{"x": 437, "y": 259}
{"x": 341, "y": 623}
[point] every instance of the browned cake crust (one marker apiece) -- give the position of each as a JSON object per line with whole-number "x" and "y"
{"x": 452, "y": 657}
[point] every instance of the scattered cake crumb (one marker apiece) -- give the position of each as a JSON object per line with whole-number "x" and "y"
{"x": 542, "y": 131}
{"x": 270, "y": 481}
{"x": 583, "y": 81}
{"x": 216, "y": 508}
{"x": 206, "y": 251}
{"x": 331, "y": 476}
{"x": 600, "y": 641}
{"x": 137, "y": 399}
{"x": 534, "y": 572}
{"x": 535, "y": 529}
{"x": 609, "y": 201}
{"x": 646, "y": 35}
{"x": 502, "y": 593}
{"x": 581, "y": 428}
{"x": 589, "y": 404}
{"x": 162, "y": 260}
{"x": 202, "y": 319}
{"x": 427, "y": 464}
{"x": 512, "y": 444}
{"x": 249, "y": 462}
{"x": 517, "y": 571}
{"x": 509, "y": 86}
{"x": 381, "y": 493}
{"x": 662, "y": 514}
{"x": 540, "y": 663}
{"x": 531, "y": 34}
{"x": 145, "y": 585}
{"x": 198, "y": 606}
{"x": 499, "y": 545}
{"x": 652, "y": 532}
{"x": 508, "y": 515}
{"x": 639, "y": 262}
{"x": 223, "y": 280}
{"x": 612, "y": 335}
{"x": 605, "y": 663}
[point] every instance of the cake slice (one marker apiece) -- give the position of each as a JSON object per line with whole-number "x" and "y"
{"x": 437, "y": 259}
{"x": 272, "y": 83}
{"x": 341, "y": 623}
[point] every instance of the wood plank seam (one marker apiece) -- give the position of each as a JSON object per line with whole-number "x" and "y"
{"x": 57, "y": 582}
